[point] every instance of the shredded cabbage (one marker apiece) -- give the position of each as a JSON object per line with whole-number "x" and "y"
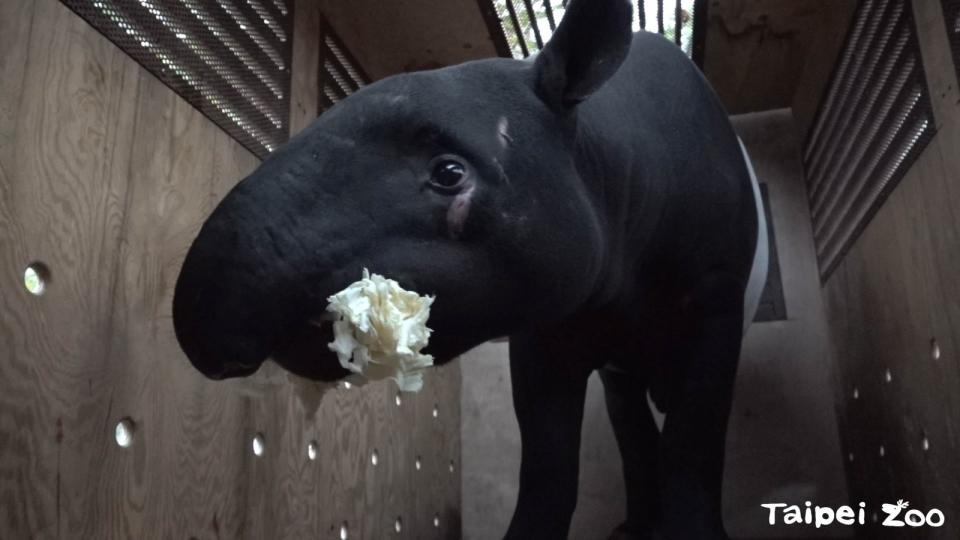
{"x": 379, "y": 331}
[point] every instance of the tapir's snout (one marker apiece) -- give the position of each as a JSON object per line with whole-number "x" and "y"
{"x": 223, "y": 333}
{"x": 221, "y": 339}
{"x": 246, "y": 290}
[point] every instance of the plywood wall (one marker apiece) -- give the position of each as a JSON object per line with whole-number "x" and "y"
{"x": 105, "y": 177}
{"x": 409, "y": 35}
{"x": 894, "y": 308}
{"x": 760, "y": 53}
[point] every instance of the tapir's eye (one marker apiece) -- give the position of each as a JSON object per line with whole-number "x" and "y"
{"x": 448, "y": 173}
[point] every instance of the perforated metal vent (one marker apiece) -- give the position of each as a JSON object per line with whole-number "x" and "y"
{"x": 951, "y": 14}
{"x": 229, "y": 58}
{"x": 520, "y": 28}
{"x": 873, "y": 122}
{"x": 340, "y": 73}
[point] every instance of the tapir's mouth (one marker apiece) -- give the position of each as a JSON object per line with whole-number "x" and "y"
{"x": 226, "y": 335}
{"x": 305, "y": 352}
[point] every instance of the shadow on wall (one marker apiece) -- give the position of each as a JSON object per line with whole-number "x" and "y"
{"x": 782, "y": 444}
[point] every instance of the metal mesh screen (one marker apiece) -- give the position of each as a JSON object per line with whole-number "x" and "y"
{"x": 874, "y": 120}
{"x": 521, "y": 27}
{"x": 951, "y": 14}
{"x": 340, "y": 73}
{"x": 229, "y": 58}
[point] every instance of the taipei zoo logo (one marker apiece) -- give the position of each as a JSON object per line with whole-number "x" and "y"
{"x": 894, "y": 515}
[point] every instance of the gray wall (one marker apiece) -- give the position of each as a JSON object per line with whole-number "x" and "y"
{"x": 783, "y": 440}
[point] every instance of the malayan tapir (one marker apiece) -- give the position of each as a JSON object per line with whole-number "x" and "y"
{"x": 592, "y": 203}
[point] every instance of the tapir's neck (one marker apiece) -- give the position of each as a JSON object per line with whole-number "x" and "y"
{"x": 626, "y": 198}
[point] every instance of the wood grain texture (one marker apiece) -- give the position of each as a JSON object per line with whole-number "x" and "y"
{"x": 304, "y": 79}
{"x": 769, "y": 54}
{"x": 105, "y": 177}
{"x": 409, "y": 35}
{"x": 894, "y": 293}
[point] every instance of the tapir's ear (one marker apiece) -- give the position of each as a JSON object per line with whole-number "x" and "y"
{"x": 586, "y": 50}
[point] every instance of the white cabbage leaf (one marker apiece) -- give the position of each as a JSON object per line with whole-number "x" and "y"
{"x": 380, "y": 330}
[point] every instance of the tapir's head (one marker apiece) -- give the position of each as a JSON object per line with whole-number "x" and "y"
{"x": 458, "y": 183}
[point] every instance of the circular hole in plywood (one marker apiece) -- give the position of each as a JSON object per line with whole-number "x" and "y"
{"x": 856, "y": 393}
{"x": 312, "y": 450}
{"x": 934, "y": 349}
{"x": 398, "y": 524}
{"x": 887, "y": 376}
{"x": 883, "y": 451}
{"x": 417, "y": 464}
{"x": 436, "y": 411}
{"x": 35, "y": 278}
{"x": 398, "y": 400}
{"x": 926, "y": 444}
{"x": 374, "y": 457}
{"x": 451, "y": 467}
{"x": 123, "y": 433}
{"x": 436, "y": 520}
{"x": 850, "y": 457}
{"x": 258, "y": 445}
{"x": 343, "y": 531}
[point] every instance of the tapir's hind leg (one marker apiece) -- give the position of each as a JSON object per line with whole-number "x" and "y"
{"x": 694, "y": 432}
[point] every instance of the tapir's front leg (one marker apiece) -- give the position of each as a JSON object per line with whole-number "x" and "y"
{"x": 694, "y": 432}
{"x": 549, "y": 387}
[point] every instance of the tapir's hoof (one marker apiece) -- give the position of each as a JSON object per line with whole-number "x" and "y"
{"x": 625, "y": 532}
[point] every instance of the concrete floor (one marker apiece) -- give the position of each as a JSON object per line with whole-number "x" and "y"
{"x": 782, "y": 444}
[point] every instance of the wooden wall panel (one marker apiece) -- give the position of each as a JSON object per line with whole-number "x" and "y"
{"x": 769, "y": 54}
{"x": 895, "y": 294}
{"x": 409, "y": 35}
{"x": 105, "y": 177}
{"x": 306, "y": 61}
